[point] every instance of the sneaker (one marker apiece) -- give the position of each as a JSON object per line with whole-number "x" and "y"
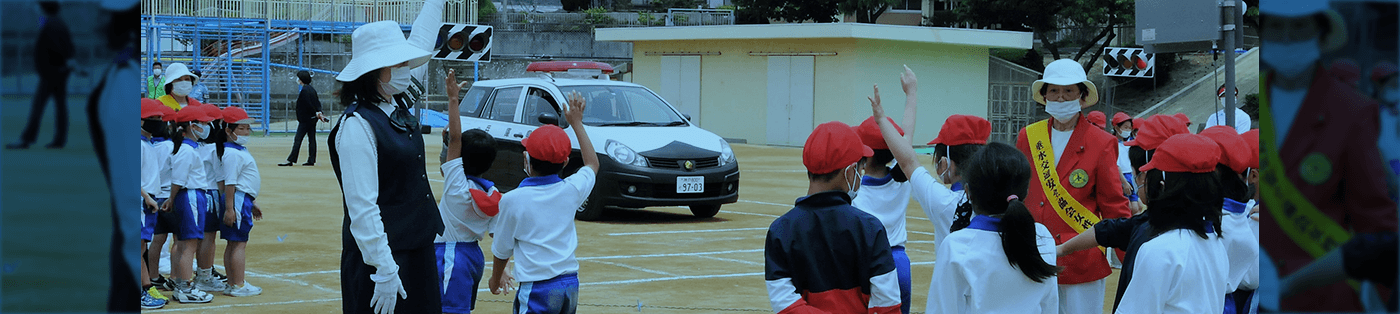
{"x": 156, "y": 294}
{"x": 187, "y": 293}
{"x": 247, "y": 290}
{"x": 150, "y": 303}
{"x": 163, "y": 283}
{"x": 219, "y": 276}
{"x": 209, "y": 283}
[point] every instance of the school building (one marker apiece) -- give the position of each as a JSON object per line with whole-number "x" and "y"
{"x": 772, "y": 84}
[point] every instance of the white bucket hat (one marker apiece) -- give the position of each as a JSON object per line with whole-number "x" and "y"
{"x": 1065, "y": 72}
{"x": 377, "y": 45}
{"x": 175, "y": 71}
{"x": 1336, "y": 39}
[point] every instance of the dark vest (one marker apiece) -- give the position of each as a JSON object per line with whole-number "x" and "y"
{"x": 406, "y": 202}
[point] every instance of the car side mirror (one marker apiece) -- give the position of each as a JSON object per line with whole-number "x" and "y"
{"x": 548, "y": 118}
{"x": 686, "y": 116}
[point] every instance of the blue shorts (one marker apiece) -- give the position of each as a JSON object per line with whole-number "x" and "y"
{"x": 558, "y": 295}
{"x": 215, "y": 217}
{"x": 243, "y": 210}
{"x": 906, "y": 282}
{"x": 191, "y": 207}
{"x": 148, "y": 222}
{"x": 460, "y": 267}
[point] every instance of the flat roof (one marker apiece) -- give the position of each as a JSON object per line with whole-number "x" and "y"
{"x": 918, "y": 34}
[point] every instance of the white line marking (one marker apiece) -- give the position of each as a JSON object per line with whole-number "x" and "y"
{"x": 730, "y": 260}
{"x": 333, "y": 271}
{"x": 766, "y": 203}
{"x": 922, "y": 263}
{"x": 744, "y": 213}
{"x": 923, "y": 241}
{"x": 684, "y": 231}
{"x": 634, "y": 268}
{"x": 668, "y": 254}
{"x": 921, "y": 232}
{"x": 667, "y": 279}
{"x": 250, "y": 273}
{"x": 203, "y": 308}
{"x": 436, "y": 180}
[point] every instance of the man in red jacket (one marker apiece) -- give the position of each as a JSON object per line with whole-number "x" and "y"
{"x": 1077, "y": 180}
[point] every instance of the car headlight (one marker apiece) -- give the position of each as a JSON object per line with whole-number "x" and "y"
{"x": 623, "y": 154}
{"x": 726, "y": 154}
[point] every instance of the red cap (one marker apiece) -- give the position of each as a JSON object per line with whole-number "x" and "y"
{"x": 869, "y": 132}
{"x": 548, "y": 143}
{"x": 1185, "y": 153}
{"x": 235, "y": 115}
{"x": 1152, "y": 131}
{"x": 1182, "y": 117}
{"x": 1097, "y": 118}
{"x": 961, "y": 129}
{"x": 1233, "y": 150}
{"x": 1383, "y": 70}
{"x": 191, "y": 114}
{"x": 151, "y": 108}
{"x": 831, "y": 147}
{"x": 1175, "y": 124}
{"x": 168, "y": 113}
{"x": 213, "y": 112}
{"x": 1251, "y": 138}
{"x": 1120, "y": 117}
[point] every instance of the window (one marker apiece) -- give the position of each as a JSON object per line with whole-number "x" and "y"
{"x": 473, "y": 101}
{"x": 537, "y": 102}
{"x": 914, "y": 5}
{"x": 504, "y": 104}
{"x": 624, "y": 106}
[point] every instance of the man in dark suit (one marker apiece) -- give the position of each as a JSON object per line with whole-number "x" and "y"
{"x": 308, "y": 112}
{"x": 53, "y": 54}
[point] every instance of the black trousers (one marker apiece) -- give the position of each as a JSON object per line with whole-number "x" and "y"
{"x": 304, "y": 128}
{"x": 54, "y": 86}
{"x": 417, "y": 271}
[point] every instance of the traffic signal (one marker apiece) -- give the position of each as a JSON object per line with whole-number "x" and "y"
{"x": 463, "y": 42}
{"x": 1128, "y": 62}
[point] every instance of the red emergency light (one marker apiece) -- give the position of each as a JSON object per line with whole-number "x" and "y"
{"x": 565, "y": 66}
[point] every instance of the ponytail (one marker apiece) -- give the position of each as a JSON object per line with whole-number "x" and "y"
{"x": 1018, "y": 241}
{"x": 178, "y": 137}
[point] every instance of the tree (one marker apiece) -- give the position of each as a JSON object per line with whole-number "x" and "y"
{"x": 1044, "y": 17}
{"x": 818, "y": 11}
{"x": 1109, "y": 13}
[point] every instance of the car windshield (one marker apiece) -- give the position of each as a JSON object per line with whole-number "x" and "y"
{"x": 624, "y": 106}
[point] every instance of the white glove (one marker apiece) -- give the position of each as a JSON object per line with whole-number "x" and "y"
{"x": 385, "y": 288}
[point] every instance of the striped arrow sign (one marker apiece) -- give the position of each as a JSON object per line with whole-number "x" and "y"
{"x": 1128, "y": 62}
{"x": 463, "y": 42}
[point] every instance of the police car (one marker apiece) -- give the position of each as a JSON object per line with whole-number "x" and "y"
{"x": 651, "y": 154}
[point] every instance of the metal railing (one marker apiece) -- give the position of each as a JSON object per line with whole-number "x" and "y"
{"x": 362, "y": 11}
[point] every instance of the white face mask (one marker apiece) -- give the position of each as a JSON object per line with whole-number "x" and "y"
{"x": 202, "y": 130}
{"x": 241, "y": 140}
{"x": 1125, "y": 134}
{"x": 1290, "y": 59}
{"x": 156, "y": 72}
{"x": 526, "y": 169}
{"x": 1222, "y": 102}
{"x": 181, "y": 88}
{"x": 398, "y": 81}
{"x": 853, "y": 182}
{"x": 1063, "y": 111}
{"x": 943, "y": 175}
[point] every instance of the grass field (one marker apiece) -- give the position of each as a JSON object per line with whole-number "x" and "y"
{"x": 662, "y": 258}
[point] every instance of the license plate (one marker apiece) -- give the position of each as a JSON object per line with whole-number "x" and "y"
{"x": 690, "y": 184}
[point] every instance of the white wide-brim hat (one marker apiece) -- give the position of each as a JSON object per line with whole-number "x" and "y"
{"x": 176, "y": 71}
{"x": 1065, "y": 72}
{"x": 1334, "y": 40}
{"x": 377, "y": 45}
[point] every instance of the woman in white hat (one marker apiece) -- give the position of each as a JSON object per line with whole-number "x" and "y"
{"x": 179, "y": 82}
{"x": 1077, "y": 181}
{"x": 376, "y": 151}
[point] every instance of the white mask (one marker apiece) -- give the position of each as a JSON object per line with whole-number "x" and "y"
{"x": 853, "y": 182}
{"x": 202, "y": 132}
{"x": 943, "y": 176}
{"x": 1290, "y": 59}
{"x": 181, "y": 88}
{"x": 1222, "y": 102}
{"x": 1125, "y": 134}
{"x": 156, "y": 72}
{"x": 240, "y": 140}
{"x": 398, "y": 82}
{"x": 1063, "y": 111}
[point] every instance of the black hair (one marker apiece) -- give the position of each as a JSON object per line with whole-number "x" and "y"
{"x": 478, "y": 152}
{"x": 304, "y": 76}
{"x": 958, "y": 154}
{"x": 997, "y": 172}
{"x": 123, "y": 28}
{"x": 883, "y": 157}
{"x": 364, "y": 89}
{"x": 217, "y": 138}
{"x": 1138, "y": 157}
{"x": 1185, "y": 201}
{"x": 1232, "y": 185}
{"x": 157, "y": 63}
{"x": 1083, "y": 89}
{"x": 49, "y": 7}
{"x": 156, "y": 127}
{"x": 178, "y": 135}
{"x": 544, "y": 168}
{"x": 827, "y": 177}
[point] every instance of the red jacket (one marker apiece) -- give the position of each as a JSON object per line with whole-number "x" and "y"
{"x": 1096, "y": 152}
{"x": 1341, "y": 124}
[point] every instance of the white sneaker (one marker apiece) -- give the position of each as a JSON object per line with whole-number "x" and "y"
{"x": 209, "y": 283}
{"x": 187, "y": 293}
{"x": 247, "y": 290}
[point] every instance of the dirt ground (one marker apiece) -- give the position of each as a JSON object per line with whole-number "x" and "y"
{"x": 657, "y": 260}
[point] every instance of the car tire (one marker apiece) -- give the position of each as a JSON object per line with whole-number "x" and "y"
{"x": 591, "y": 210}
{"x": 704, "y": 211}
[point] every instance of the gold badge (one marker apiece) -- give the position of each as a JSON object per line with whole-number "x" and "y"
{"x": 1078, "y": 178}
{"x": 1315, "y": 169}
{"x": 689, "y": 164}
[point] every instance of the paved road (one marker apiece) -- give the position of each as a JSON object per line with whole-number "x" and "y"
{"x": 1198, "y": 100}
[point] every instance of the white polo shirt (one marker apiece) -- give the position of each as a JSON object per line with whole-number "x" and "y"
{"x": 939, "y": 202}
{"x": 462, "y": 220}
{"x": 1178, "y": 272}
{"x": 536, "y": 225}
{"x": 212, "y": 164}
{"x": 150, "y": 170}
{"x": 887, "y": 200}
{"x": 187, "y": 167}
{"x": 162, "y": 157}
{"x": 974, "y": 275}
{"x": 241, "y": 171}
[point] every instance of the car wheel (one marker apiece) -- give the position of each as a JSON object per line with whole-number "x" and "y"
{"x": 591, "y": 210}
{"x": 704, "y": 211}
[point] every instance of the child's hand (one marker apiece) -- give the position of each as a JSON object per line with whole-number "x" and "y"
{"x": 257, "y": 212}
{"x": 502, "y": 285}
{"x": 229, "y": 217}
{"x": 875, "y": 107}
{"x": 169, "y": 204}
{"x": 151, "y": 206}
{"x": 909, "y": 81}
{"x": 453, "y": 88}
{"x": 576, "y": 105}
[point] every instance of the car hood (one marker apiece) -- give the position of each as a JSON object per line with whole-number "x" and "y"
{"x": 644, "y": 139}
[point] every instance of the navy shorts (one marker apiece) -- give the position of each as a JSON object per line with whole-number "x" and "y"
{"x": 215, "y": 217}
{"x": 558, "y": 295}
{"x": 191, "y": 207}
{"x": 243, "y": 210}
{"x": 165, "y": 221}
{"x": 460, "y": 266}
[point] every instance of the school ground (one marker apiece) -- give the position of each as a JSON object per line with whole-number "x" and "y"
{"x": 662, "y": 259}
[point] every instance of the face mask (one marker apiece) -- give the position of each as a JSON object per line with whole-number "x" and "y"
{"x": 853, "y": 182}
{"x": 181, "y": 88}
{"x": 240, "y": 140}
{"x": 202, "y": 132}
{"x": 1125, "y": 134}
{"x": 527, "y": 165}
{"x": 1290, "y": 59}
{"x": 1222, "y": 102}
{"x": 943, "y": 176}
{"x": 398, "y": 82}
{"x": 156, "y": 72}
{"x": 1063, "y": 111}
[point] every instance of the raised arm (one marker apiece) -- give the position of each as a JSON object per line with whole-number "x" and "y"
{"x": 454, "y": 122}
{"x": 1083, "y": 241}
{"x": 899, "y": 145}
{"x": 910, "y": 83}
{"x": 575, "y": 118}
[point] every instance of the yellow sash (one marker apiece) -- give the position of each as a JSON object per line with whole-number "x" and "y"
{"x": 1043, "y": 161}
{"x": 1313, "y": 231}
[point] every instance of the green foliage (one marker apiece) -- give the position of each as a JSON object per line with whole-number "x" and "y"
{"x": 485, "y": 8}
{"x": 647, "y": 18}
{"x": 819, "y": 11}
{"x": 1251, "y": 106}
{"x": 597, "y": 16}
{"x": 726, "y": 7}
